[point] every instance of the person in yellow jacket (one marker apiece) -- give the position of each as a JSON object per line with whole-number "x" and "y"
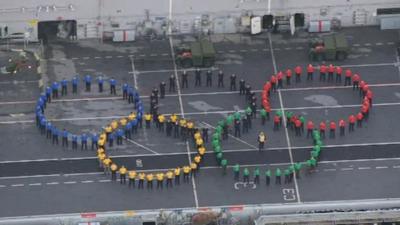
{"x": 114, "y": 169}
{"x": 190, "y": 127}
{"x": 202, "y": 151}
{"x": 106, "y": 165}
{"x": 261, "y": 140}
{"x": 160, "y": 180}
{"x": 186, "y": 173}
{"x": 142, "y": 177}
{"x": 150, "y": 178}
{"x": 161, "y": 121}
{"x": 147, "y": 119}
{"x": 193, "y": 168}
{"x": 170, "y": 176}
{"x": 132, "y": 177}
{"x": 101, "y": 142}
{"x": 101, "y": 158}
{"x": 197, "y": 135}
{"x": 132, "y": 116}
{"x": 197, "y": 160}
{"x": 199, "y": 142}
{"x": 122, "y": 174}
{"x": 114, "y": 125}
{"x": 177, "y": 173}
{"x": 108, "y": 130}
{"x": 100, "y": 150}
{"x": 123, "y": 122}
{"x": 173, "y": 118}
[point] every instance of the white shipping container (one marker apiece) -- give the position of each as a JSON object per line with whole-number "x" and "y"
{"x": 319, "y": 26}
{"x": 124, "y": 35}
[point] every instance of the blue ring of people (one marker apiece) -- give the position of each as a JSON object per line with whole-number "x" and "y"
{"x": 60, "y": 89}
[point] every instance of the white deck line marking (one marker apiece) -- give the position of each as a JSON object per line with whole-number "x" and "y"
{"x": 378, "y": 43}
{"x": 69, "y": 182}
{"x": 2, "y": 186}
{"x": 367, "y": 44}
{"x": 108, "y": 57}
{"x": 86, "y": 58}
{"x": 346, "y": 169}
{"x": 52, "y": 183}
{"x": 237, "y": 139}
{"x": 104, "y": 181}
{"x": 364, "y": 168}
{"x": 299, "y": 48}
{"x": 142, "y": 146}
{"x": 87, "y": 181}
{"x": 17, "y": 185}
{"x": 16, "y": 82}
{"x": 396, "y": 167}
{"x": 356, "y": 45}
{"x": 32, "y": 176}
{"x": 169, "y": 71}
{"x": 120, "y": 56}
{"x": 368, "y": 65}
{"x": 329, "y": 170}
{"x": 390, "y": 43}
{"x": 134, "y": 73}
{"x": 381, "y": 167}
{"x": 398, "y": 60}
{"x": 36, "y": 184}
{"x": 64, "y": 100}
{"x": 97, "y": 57}
{"x": 284, "y": 119}
{"x": 199, "y": 113}
{"x": 74, "y": 58}
{"x": 196, "y": 200}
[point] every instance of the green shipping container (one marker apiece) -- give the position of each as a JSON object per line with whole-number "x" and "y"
{"x": 330, "y": 47}
{"x": 208, "y": 53}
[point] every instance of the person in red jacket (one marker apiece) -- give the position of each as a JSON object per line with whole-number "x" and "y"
{"x": 273, "y": 83}
{"x": 297, "y": 125}
{"x": 279, "y": 76}
{"x": 322, "y": 128}
{"x": 310, "y": 128}
{"x": 332, "y": 129}
{"x": 339, "y": 72}
{"x": 365, "y": 111}
{"x": 356, "y": 80}
{"x": 310, "y": 72}
{"x": 352, "y": 121}
{"x": 298, "y": 71}
{"x": 347, "y": 79}
{"x": 288, "y": 76}
{"x": 362, "y": 85}
{"x": 331, "y": 70}
{"x": 277, "y": 121}
{"x": 365, "y": 89}
{"x": 369, "y": 95}
{"x": 360, "y": 118}
{"x": 342, "y": 127}
{"x": 322, "y": 72}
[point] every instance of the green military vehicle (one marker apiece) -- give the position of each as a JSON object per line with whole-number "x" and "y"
{"x": 330, "y": 47}
{"x": 197, "y": 54}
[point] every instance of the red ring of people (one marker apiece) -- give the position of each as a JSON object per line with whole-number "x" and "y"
{"x": 276, "y": 81}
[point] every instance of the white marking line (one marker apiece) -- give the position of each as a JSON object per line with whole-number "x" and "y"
{"x": 108, "y": 57}
{"x": 87, "y": 181}
{"x": 356, "y": 45}
{"x": 288, "y": 48}
{"x": 381, "y": 167}
{"x": 284, "y": 119}
{"x": 36, "y": 184}
{"x": 379, "y": 43}
{"x": 196, "y": 200}
{"x": 329, "y": 170}
{"x": 3, "y": 186}
{"x": 134, "y": 73}
{"x": 69, "y": 182}
{"x": 367, "y": 44}
{"x": 86, "y": 58}
{"x": 153, "y": 55}
{"x": 169, "y": 71}
{"x": 364, "y": 168}
{"x": 64, "y": 100}
{"x": 237, "y": 139}
{"x": 346, "y": 169}
{"x": 32, "y": 176}
{"x": 75, "y": 58}
{"x": 299, "y": 48}
{"x": 368, "y": 65}
{"x": 52, "y": 183}
{"x": 120, "y": 56}
{"x": 398, "y": 60}
{"x": 17, "y": 185}
{"x": 104, "y": 181}
{"x": 396, "y": 167}
{"x": 97, "y": 57}
{"x": 16, "y": 82}
{"x": 142, "y": 146}
{"x": 390, "y": 43}
{"x": 198, "y": 113}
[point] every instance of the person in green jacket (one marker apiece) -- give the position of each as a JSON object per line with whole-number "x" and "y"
{"x": 311, "y": 163}
{"x": 286, "y": 172}
{"x": 297, "y": 168}
{"x": 236, "y": 172}
{"x": 246, "y": 174}
{"x": 267, "y": 177}
{"x": 289, "y": 116}
{"x": 279, "y": 114}
{"x": 256, "y": 175}
{"x": 263, "y": 115}
{"x": 224, "y": 165}
{"x": 219, "y": 158}
{"x": 278, "y": 174}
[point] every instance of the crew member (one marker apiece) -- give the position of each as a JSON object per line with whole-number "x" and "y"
{"x": 162, "y": 89}
{"x": 322, "y": 72}
{"x": 310, "y": 72}
{"x": 233, "y": 82}
{"x": 347, "y": 78}
{"x": 160, "y": 180}
{"x": 298, "y": 71}
{"x": 197, "y": 77}
{"x": 332, "y": 129}
{"x": 220, "y": 79}
{"x": 339, "y": 72}
{"x": 170, "y": 177}
{"x": 114, "y": 169}
{"x": 172, "y": 82}
{"x": 288, "y": 76}
{"x": 261, "y": 140}
{"x": 113, "y": 83}
{"x": 331, "y": 70}
{"x": 122, "y": 174}
{"x": 342, "y": 125}
{"x": 322, "y": 128}
{"x": 352, "y": 121}
{"x": 209, "y": 78}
